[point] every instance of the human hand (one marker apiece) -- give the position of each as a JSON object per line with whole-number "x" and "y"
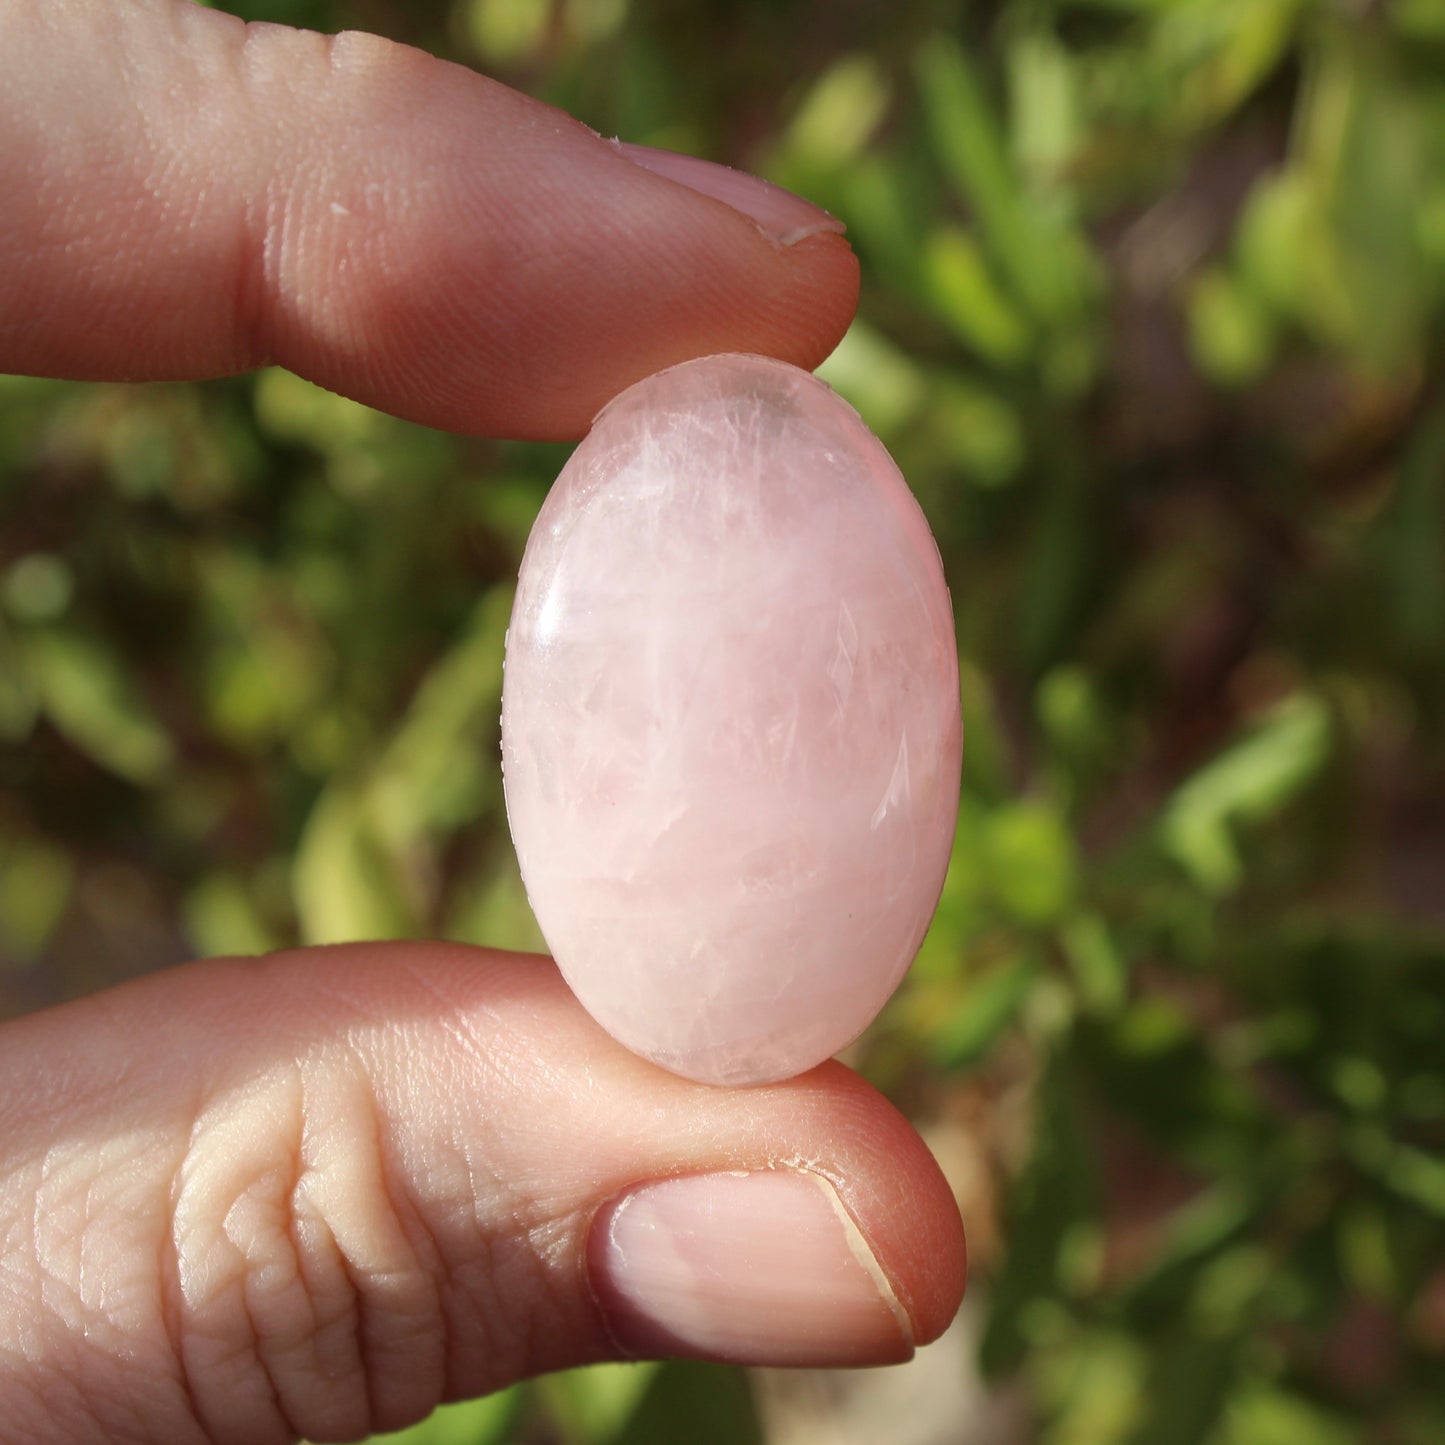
{"x": 321, "y": 1192}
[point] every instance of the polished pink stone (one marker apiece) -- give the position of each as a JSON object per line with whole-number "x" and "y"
{"x": 730, "y": 724}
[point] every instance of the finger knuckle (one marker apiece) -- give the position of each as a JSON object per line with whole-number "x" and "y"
{"x": 300, "y": 1299}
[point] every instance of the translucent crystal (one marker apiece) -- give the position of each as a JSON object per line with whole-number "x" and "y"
{"x": 730, "y": 723}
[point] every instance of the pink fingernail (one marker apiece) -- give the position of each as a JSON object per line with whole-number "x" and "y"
{"x": 784, "y": 216}
{"x": 763, "y": 1268}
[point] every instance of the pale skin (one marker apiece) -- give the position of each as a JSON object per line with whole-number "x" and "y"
{"x": 321, "y": 1192}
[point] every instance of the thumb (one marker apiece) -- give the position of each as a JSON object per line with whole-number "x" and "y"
{"x": 323, "y": 1192}
{"x": 199, "y": 197}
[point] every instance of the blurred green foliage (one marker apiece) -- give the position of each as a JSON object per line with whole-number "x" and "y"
{"x": 1153, "y": 292}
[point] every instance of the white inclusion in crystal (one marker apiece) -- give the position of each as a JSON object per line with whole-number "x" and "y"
{"x": 782, "y": 738}
{"x": 898, "y": 791}
{"x": 840, "y": 669}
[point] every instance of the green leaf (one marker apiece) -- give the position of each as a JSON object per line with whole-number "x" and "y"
{"x": 1029, "y": 856}
{"x": 443, "y": 758}
{"x": 1231, "y": 335}
{"x": 979, "y": 430}
{"x": 701, "y": 1404}
{"x": 1058, "y": 566}
{"x": 839, "y": 114}
{"x": 990, "y": 1004}
{"x": 1366, "y": 1252}
{"x": 487, "y": 1421}
{"x": 1366, "y": 143}
{"x": 1281, "y": 245}
{"x": 345, "y": 884}
{"x": 19, "y": 704}
{"x": 966, "y": 298}
{"x": 1247, "y": 783}
{"x": 37, "y": 587}
{"x": 1044, "y": 121}
{"x": 222, "y": 918}
{"x": 494, "y": 911}
{"x": 1091, "y": 1387}
{"x": 1055, "y": 1194}
{"x": 1422, "y": 18}
{"x": 1043, "y": 260}
{"x": 1219, "y": 52}
{"x": 1411, "y": 541}
{"x": 1416, "y": 1176}
{"x": 35, "y": 887}
{"x": 84, "y": 692}
{"x": 593, "y": 1406}
{"x": 1261, "y": 1413}
{"x": 1192, "y": 1237}
{"x": 1187, "y": 1390}
{"x": 507, "y": 31}
{"x": 885, "y": 384}
{"x": 1097, "y": 963}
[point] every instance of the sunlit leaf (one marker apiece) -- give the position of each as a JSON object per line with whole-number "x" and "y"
{"x": 1264, "y": 1414}
{"x": 839, "y": 113}
{"x": 487, "y": 1421}
{"x": 35, "y": 886}
{"x": 346, "y": 886}
{"x": 593, "y": 1406}
{"x": 967, "y": 298}
{"x": 1231, "y": 334}
{"x": 1030, "y": 860}
{"x": 1042, "y": 260}
{"x": 882, "y": 382}
{"x": 222, "y": 918}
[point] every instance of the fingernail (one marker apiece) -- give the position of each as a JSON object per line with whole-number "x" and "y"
{"x": 763, "y": 1268}
{"x": 784, "y": 216}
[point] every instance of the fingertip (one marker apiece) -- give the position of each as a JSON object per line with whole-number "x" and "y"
{"x": 811, "y": 309}
{"x": 204, "y": 197}
{"x": 758, "y": 1267}
{"x": 902, "y": 1202}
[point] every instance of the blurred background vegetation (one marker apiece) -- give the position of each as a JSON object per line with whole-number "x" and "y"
{"x": 1153, "y": 293}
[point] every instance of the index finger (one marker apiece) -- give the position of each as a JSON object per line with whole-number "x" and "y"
{"x": 189, "y": 196}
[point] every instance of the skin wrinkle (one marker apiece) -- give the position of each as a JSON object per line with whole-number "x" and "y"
{"x": 283, "y": 1170}
{"x": 347, "y": 82}
{"x": 404, "y": 1113}
{"x": 27, "y": 1399}
{"x": 497, "y": 1264}
{"x": 49, "y": 1282}
{"x": 172, "y": 1305}
{"x": 376, "y": 1362}
{"x": 421, "y": 1241}
{"x": 472, "y": 1281}
{"x": 260, "y": 290}
{"x": 354, "y": 1311}
{"x": 252, "y": 293}
{"x": 331, "y": 1291}
{"x": 255, "y": 1353}
{"x": 80, "y": 1279}
{"x": 303, "y": 1249}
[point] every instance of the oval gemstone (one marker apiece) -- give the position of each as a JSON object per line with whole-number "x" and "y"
{"x": 730, "y": 721}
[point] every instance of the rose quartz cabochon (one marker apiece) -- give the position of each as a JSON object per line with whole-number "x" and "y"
{"x": 730, "y": 721}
